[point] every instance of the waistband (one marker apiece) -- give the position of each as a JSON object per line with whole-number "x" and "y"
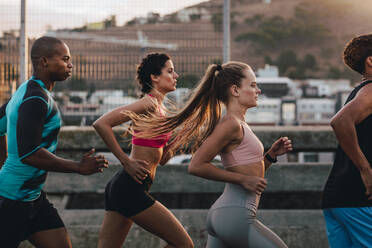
{"x": 19, "y": 203}
{"x": 236, "y": 196}
{"x": 146, "y": 183}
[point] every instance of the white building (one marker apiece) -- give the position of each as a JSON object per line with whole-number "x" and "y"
{"x": 315, "y": 110}
{"x": 268, "y": 71}
{"x": 267, "y": 112}
{"x": 277, "y": 87}
{"x": 315, "y": 157}
{"x": 329, "y": 87}
{"x": 272, "y": 85}
{"x": 185, "y": 15}
{"x": 101, "y": 96}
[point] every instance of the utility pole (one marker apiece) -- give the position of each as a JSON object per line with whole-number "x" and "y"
{"x": 23, "y": 49}
{"x": 226, "y": 31}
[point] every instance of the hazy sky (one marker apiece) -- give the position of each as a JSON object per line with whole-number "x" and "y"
{"x": 74, "y": 13}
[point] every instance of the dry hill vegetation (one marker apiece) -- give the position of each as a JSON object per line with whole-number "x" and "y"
{"x": 305, "y": 38}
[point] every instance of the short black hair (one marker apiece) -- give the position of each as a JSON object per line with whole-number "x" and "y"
{"x": 356, "y": 51}
{"x": 44, "y": 47}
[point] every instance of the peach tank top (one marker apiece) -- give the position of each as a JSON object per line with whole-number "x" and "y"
{"x": 250, "y": 150}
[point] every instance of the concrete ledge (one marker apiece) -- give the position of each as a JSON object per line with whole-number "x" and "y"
{"x": 305, "y": 138}
{"x": 298, "y": 228}
{"x": 175, "y": 179}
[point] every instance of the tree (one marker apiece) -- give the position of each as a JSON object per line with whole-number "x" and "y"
{"x": 110, "y": 22}
{"x": 76, "y": 99}
{"x": 334, "y": 72}
{"x": 217, "y": 20}
{"x": 153, "y": 17}
{"x": 296, "y": 72}
{"x": 285, "y": 60}
{"x": 131, "y": 22}
{"x": 309, "y": 62}
{"x": 268, "y": 60}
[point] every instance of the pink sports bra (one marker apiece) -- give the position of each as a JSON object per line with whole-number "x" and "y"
{"x": 155, "y": 142}
{"x": 250, "y": 150}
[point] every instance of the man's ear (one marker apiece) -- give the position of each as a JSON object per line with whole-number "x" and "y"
{"x": 43, "y": 61}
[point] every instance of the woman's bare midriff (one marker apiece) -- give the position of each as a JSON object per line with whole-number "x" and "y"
{"x": 253, "y": 169}
{"x": 151, "y": 155}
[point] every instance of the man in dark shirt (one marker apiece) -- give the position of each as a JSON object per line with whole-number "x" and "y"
{"x": 30, "y": 123}
{"x": 347, "y": 196}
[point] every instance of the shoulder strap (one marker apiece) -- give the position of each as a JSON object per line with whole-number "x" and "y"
{"x": 356, "y": 90}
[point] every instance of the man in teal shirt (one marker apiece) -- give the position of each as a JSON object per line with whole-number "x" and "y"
{"x": 30, "y": 123}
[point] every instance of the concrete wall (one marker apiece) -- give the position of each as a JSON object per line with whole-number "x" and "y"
{"x": 297, "y": 228}
{"x": 175, "y": 179}
{"x": 305, "y": 138}
{"x": 287, "y": 202}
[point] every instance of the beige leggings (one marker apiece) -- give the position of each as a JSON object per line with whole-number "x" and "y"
{"x": 237, "y": 227}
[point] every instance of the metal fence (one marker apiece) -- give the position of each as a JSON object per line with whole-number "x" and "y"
{"x": 107, "y": 40}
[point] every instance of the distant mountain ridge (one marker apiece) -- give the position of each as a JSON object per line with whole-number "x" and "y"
{"x": 298, "y": 32}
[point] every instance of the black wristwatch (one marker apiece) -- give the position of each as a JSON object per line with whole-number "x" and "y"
{"x": 271, "y": 160}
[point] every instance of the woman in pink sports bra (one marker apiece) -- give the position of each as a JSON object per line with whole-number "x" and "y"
{"x": 127, "y": 197}
{"x": 231, "y": 221}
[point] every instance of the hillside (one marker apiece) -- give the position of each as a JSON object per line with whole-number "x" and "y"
{"x": 304, "y": 37}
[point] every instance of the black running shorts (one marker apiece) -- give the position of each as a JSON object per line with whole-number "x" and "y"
{"x": 127, "y": 197}
{"x": 19, "y": 220}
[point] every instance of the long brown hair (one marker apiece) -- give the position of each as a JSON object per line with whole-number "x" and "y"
{"x": 197, "y": 120}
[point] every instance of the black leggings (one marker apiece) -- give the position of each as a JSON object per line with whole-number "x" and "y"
{"x": 127, "y": 197}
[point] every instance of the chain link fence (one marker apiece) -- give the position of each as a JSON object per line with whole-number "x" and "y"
{"x": 107, "y": 40}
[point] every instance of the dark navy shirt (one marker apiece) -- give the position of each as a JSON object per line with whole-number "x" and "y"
{"x": 31, "y": 121}
{"x": 344, "y": 187}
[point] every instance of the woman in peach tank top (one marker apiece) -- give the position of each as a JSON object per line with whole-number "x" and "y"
{"x": 232, "y": 219}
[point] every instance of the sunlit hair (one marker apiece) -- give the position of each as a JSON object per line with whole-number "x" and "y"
{"x": 152, "y": 64}
{"x": 196, "y": 121}
{"x": 356, "y": 51}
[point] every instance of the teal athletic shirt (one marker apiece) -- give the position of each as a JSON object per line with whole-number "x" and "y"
{"x": 31, "y": 120}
